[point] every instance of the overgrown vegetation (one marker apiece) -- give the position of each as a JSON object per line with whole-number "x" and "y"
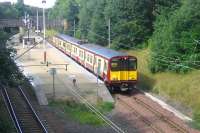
{"x": 171, "y": 28}
{"x": 51, "y": 32}
{"x": 168, "y": 30}
{"x": 182, "y": 89}
{"x": 15, "y": 11}
{"x": 8, "y": 73}
{"x": 175, "y": 43}
{"x": 131, "y": 21}
{"x": 80, "y": 113}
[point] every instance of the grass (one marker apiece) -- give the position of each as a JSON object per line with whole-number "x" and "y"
{"x": 105, "y": 107}
{"x": 181, "y": 88}
{"x": 80, "y": 113}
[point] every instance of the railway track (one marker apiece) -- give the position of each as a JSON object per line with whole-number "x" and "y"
{"x": 172, "y": 124}
{"x": 21, "y": 111}
{"x": 160, "y": 123}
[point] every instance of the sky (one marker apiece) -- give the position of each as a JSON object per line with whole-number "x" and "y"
{"x": 36, "y": 3}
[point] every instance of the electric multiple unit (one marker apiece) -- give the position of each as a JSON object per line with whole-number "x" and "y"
{"x": 116, "y": 69}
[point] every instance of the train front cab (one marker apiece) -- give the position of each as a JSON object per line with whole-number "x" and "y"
{"x": 123, "y": 73}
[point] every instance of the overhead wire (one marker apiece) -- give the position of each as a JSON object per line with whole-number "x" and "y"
{"x": 163, "y": 56}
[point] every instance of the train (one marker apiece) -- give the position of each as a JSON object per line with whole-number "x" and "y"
{"x": 118, "y": 70}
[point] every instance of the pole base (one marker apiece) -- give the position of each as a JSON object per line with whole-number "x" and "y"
{"x": 45, "y": 56}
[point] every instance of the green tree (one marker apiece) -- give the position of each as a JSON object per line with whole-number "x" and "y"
{"x": 65, "y": 9}
{"x": 176, "y": 38}
{"x": 87, "y": 8}
{"x": 98, "y": 29}
{"x": 131, "y": 21}
{"x": 8, "y": 11}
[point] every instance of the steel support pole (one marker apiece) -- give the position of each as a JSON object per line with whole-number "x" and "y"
{"x": 109, "y": 32}
{"x": 37, "y": 22}
{"x": 44, "y": 36}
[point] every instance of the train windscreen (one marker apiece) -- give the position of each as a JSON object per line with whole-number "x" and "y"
{"x": 123, "y": 64}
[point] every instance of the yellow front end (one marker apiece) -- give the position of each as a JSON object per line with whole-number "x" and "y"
{"x": 123, "y": 75}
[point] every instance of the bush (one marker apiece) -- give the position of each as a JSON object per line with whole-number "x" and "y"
{"x": 173, "y": 43}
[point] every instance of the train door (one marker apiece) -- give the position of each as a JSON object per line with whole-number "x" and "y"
{"x": 99, "y": 67}
{"x": 124, "y": 69}
{"x": 94, "y": 64}
{"x": 85, "y": 58}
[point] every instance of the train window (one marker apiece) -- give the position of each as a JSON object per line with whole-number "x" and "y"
{"x": 69, "y": 47}
{"x": 91, "y": 59}
{"x": 88, "y": 58}
{"x": 105, "y": 66}
{"x": 115, "y": 65}
{"x": 75, "y": 50}
{"x": 79, "y": 53}
{"x": 123, "y": 64}
{"x": 132, "y": 64}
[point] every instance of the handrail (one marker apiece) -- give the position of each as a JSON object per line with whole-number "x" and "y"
{"x": 33, "y": 111}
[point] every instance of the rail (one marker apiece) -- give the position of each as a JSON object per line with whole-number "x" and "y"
{"x": 160, "y": 115}
{"x": 13, "y": 113}
{"x": 142, "y": 118}
{"x": 11, "y": 110}
{"x": 33, "y": 111}
{"x": 92, "y": 108}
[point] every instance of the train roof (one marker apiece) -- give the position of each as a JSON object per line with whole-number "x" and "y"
{"x": 102, "y": 51}
{"x": 69, "y": 39}
{"x": 105, "y": 52}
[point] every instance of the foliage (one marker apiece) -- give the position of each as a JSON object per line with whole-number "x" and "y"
{"x": 173, "y": 23}
{"x": 179, "y": 89}
{"x": 51, "y": 32}
{"x": 174, "y": 44}
{"x": 129, "y": 26}
{"x": 196, "y": 116}
{"x": 9, "y": 72}
{"x": 78, "y": 112}
{"x": 105, "y": 107}
{"x": 98, "y": 29}
{"x": 85, "y": 16}
{"x": 131, "y": 21}
{"x": 8, "y": 11}
{"x": 65, "y": 9}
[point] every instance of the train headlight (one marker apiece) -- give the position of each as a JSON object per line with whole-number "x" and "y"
{"x": 115, "y": 78}
{"x": 131, "y": 78}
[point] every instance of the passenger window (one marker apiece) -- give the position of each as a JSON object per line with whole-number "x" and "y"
{"x": 79, "y": 53}
{"x": 105, "y": 66}
{"x": 88, "y": 57}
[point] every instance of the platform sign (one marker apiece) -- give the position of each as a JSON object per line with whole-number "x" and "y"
{"x": 52, "y": 71}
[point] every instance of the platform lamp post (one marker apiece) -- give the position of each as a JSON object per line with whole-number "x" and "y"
{"x": 44, "y": 30}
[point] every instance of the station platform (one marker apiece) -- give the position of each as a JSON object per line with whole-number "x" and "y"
{"x": 42, "y": 80}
